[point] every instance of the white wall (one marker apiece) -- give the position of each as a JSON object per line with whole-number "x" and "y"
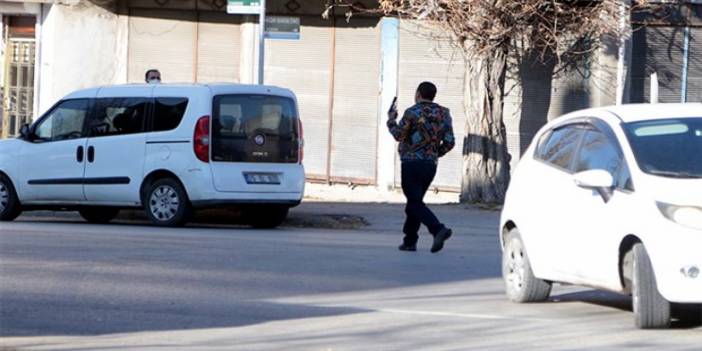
{"x": 81, "y": 46}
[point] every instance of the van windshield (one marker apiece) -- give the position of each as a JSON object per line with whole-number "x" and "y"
{"x": 254, "y": 128}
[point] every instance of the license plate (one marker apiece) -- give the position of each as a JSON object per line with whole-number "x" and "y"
{"x": 262, "y": 178}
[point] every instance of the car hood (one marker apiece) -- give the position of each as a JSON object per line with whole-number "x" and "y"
{"x": 676, "y": 191}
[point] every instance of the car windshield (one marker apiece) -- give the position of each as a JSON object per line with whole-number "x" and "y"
{"x": 669, "y": 147}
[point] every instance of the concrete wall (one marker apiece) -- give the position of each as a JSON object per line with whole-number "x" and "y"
{"x": 81, "y": 46}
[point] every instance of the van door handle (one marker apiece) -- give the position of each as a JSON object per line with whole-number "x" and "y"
{"x": 79, "y": 154}
{"x": 91, "y": 154}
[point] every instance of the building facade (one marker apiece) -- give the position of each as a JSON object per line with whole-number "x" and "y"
{"x": 345, "y": 71}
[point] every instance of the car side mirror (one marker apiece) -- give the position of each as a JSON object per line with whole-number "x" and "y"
{"x": 598, "y": 180}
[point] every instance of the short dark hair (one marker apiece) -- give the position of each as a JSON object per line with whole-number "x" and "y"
{"x": 427, "y": 90}
{"x": 146, "y": 75}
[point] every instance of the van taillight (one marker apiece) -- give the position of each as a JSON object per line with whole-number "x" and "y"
{"x": 300, "y": 143}
{"x": 201, "y": 139}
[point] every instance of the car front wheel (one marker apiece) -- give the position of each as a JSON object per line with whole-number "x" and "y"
{"x": 9, "y": 203}
{"x": 651, "y": 310}
{"x": 167, "y": 204}
{"x": 520, "y": 283}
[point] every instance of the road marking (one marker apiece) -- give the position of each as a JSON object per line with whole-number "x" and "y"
{"x": 461, "y": 315}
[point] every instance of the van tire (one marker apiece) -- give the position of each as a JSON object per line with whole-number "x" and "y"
{"x": 10, "y": 207}
{"x": 166, "y": 203}
{"x": 265, "y": 216}
{"x": 521, "y": 285}
{"x": 651, "y": 310}
{"x": 98, "y": 215}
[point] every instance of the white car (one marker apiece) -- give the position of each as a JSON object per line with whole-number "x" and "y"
{"x": 169, "y": 149}
{"x": 610, "y": 198}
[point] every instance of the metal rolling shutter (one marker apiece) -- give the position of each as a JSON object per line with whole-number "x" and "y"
{"x": 304, "y": 67}
{"x": 356, "y": 99}
{"x": 423, "y": 58}
{"x": 162, "y": 39}
{"x": 219, "y": 44}
{"x": 694, "y": 69}
{"x": 657, "y": 49}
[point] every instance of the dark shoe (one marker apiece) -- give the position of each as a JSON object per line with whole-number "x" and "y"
{"x": 439, "y": 239}
{"x": 405, "y": 247}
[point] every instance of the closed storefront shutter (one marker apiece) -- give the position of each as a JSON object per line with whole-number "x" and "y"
{"x": 356, "y": 99}
{"x": 660, "y": 50}
{"x": 219, "y": 47}
{"x": 424, "y": 58}
{"x": 694, "y": 78}
{"x": 304, "y": 66}
{"x": 162, "y": 39}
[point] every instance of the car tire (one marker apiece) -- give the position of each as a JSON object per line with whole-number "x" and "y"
{"x": 98, "y": 215}
{"x": 166, "y": 203}
{"x": 651, "y": 310}
{"x": 521, "y": 285}
{"x": 10, "y": 207}
{"x": 265, "y": 217}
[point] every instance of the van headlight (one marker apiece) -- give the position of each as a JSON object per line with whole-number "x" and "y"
{"x": 689, "y": 216}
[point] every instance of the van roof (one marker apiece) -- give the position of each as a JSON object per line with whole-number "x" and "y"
{"x": 215, "y": 88}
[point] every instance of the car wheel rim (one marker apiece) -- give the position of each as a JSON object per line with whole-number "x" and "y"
{"x": 515, "y": 268}
{"x": 4, "y": 197}
{"x": 164, "y": 203}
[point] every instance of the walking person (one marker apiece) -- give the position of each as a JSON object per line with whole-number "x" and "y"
{"x": 424, "y": 134}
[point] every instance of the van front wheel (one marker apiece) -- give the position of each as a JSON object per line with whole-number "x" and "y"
{"x": 167, "y": 204}
{"x": 265, "y": 217}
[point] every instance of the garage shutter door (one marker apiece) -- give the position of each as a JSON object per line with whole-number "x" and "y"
{"x": 219, "y": 43}
{"x": 164, "y": 40}
{"x": 304, "y": 67}
{"x": 423, "y": 58}
{"x": 356, "y": 98}
{"x": 660, "y": 50}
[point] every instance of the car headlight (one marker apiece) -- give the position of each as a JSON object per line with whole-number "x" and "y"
{"x": 689, "y": 216}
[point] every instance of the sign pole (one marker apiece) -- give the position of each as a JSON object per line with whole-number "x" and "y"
{"x": 261, "y": 40}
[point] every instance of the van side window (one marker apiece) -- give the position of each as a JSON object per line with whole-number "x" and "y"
{"x": 64, "y": 122}
{"x": 168, "y": 112}
{"x": 118, "y": 116}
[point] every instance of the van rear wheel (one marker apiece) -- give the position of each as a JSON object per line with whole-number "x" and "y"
{"x": 166, "y": 203}
{"x": 265, "y": 216}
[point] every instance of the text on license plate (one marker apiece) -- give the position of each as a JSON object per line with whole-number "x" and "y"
{"x": 262, "y": 178}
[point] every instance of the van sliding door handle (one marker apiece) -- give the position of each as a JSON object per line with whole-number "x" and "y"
{"x": 79, "y": 154}
{"x": 91, "y": 154}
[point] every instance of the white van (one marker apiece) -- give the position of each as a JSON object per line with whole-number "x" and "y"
{"x": 170, "y": 149}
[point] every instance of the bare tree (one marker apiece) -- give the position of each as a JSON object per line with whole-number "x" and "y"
{"x": 489, "y": 32}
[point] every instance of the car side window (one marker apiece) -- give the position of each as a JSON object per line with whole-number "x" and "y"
{"x": 559, "y": 149}
{"x": 118, "y": 116}
{"x": 64, "y": 122}
{"x": 597, "y": 151}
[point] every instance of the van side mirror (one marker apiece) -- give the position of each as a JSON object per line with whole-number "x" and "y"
{"x": 598, "y": 180}
{"x": 24, "y": 132}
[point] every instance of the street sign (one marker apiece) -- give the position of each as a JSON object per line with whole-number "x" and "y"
{"x": 283, "y": 27}
{"x": 246, "y": 7}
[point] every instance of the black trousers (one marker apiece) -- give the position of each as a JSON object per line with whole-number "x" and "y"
{"x": 416, "y": 178}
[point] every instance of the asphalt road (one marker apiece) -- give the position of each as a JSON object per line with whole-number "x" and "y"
{"x": 66, "y": 285}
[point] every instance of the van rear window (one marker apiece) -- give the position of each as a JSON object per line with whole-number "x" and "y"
{"x": 168, "y": 112}
{"x": 254, "y": 128}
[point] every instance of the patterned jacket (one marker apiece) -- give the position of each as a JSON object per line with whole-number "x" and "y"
{"x": 425, "y": 132}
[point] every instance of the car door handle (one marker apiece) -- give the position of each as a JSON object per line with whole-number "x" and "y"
{"x": 91, "y": 154}
{"x": 79, "y": 154}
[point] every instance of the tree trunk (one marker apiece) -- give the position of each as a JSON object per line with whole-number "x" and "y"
{"x": 485, "y": 157}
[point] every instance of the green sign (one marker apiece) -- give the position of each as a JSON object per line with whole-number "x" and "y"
{"x": 283, "y": 27}
{"x": 250, "y": 7}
